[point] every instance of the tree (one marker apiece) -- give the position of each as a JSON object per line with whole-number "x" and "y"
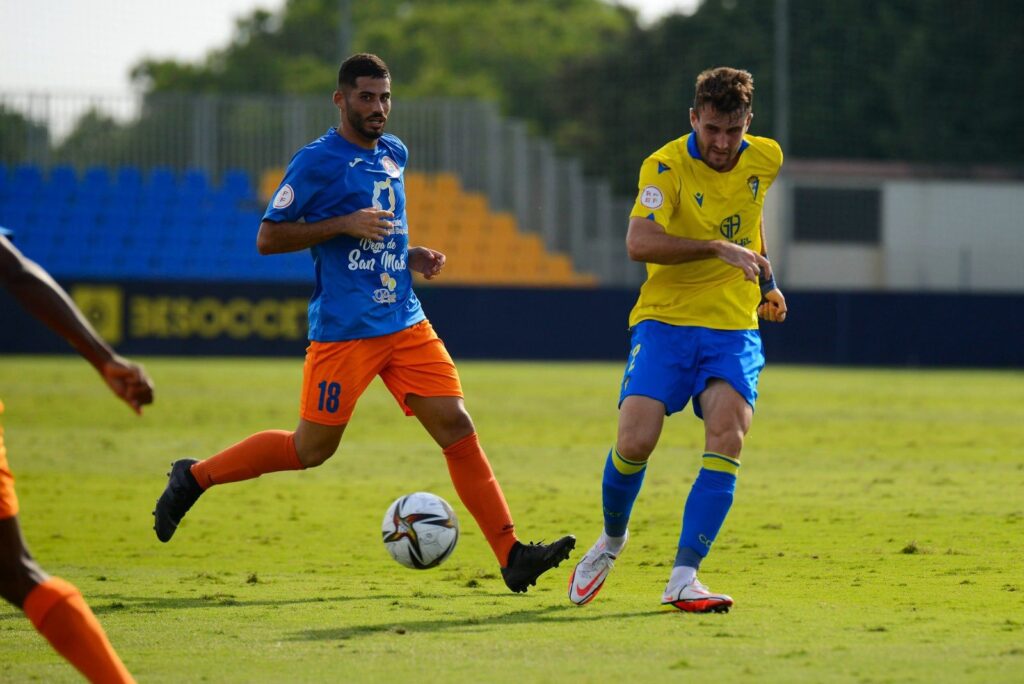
{"x": 507, "y": 51}
{"x": 914, "y": 80}
{"x": 19, "y": 136}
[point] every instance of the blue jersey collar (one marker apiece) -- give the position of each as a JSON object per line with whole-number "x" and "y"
{"x": 694, "y": 150}
{"x": 333, "y": 132}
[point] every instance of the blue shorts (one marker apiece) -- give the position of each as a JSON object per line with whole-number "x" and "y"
{"x": 674, "y": 363}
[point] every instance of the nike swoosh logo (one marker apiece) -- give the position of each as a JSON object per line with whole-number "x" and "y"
{"x": 583, "y": 591}
{"x": 355, "y": 161}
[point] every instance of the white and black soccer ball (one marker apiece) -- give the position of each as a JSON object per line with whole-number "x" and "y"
{"x": 420, "y": 530}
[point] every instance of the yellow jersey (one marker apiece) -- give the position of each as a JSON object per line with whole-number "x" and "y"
{"x": 689, "y": 199}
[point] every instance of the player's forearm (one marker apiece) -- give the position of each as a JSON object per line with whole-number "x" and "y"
{"x": 286, "y": 236}
{"x": 661, "y": 248}
{"x": 46, "y": 300}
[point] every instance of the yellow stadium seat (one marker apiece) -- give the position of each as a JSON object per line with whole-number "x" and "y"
{"x": 483, "y": 247}
{"x": 503, "y": 224}
{"x": 473, "y": 204}
{"x": 415, "y": 185}
{"x": 447, "y": 185}
{"x": 270, "y": 181}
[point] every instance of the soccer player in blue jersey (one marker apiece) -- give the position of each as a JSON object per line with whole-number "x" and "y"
{"x": 343, "y": 198}
{"x": 698, "y": 225}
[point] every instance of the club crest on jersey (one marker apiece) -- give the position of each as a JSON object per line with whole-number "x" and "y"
{"x": 390, "y": 167}
{"x": 386, "y": 294}
{"x": 284, "y": 197}
{"x": 754, "y": 183}
{"x": 379, "y": 187}
{"x": 651, "y": 197}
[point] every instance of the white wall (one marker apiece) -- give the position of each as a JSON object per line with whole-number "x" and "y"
{"x": 936, "y": 235}
{"x": 953, "y": 235}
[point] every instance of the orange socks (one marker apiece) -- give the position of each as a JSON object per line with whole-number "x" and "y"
{"x": 480, "y": 493}
{"x": 264, "y": 452}
{"x": 59, "y": 612}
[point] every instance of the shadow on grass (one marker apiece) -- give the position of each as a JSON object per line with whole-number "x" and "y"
{"x": 114, "y": 603}
{"x": 546, "y": 615}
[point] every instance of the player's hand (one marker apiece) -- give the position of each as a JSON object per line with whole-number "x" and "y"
{"x": 369, "y": 224}
{"x": 750, "y": 262}
{"x": 773, "y": 306}
{"x": 128, "y": 381}
{"x": 427, "y": 261}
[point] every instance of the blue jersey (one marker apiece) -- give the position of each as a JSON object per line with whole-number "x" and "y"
{"x": 363, "y": 288}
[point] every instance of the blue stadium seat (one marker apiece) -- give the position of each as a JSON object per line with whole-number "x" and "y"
{"x": 95, "y": 182}
{"x": 32, "y": 242}
{"x": 237, "y": 186}
{"x": 14, "y": 215}
{"x": 180, "y": 213}
{"x": 215, "y": 219}
{"x": 128, "y": 183}
{"x": 83, "y": 209}
{"x": 132, "y": 266}
{"x": 62, "y": 183}
{"x": 26, "y": 181}
{"x": 160, "y": 187}
{"x": 44, "y": 216}
{"x": 117, "y": 221}
{"x": 195, "y": 181}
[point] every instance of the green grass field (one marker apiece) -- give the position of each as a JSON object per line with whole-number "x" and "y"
{"x": 875, "y": 537}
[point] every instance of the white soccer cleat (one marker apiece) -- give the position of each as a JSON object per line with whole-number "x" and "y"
{"x": 590, "y": 573}
{"x": 696, "y": 598}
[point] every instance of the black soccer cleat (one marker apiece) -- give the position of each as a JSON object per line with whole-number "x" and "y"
{"x": 527, "y": 563}
{"x": 182, "y": 491}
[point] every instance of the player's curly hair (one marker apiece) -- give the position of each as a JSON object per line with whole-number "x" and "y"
{"x": 362, "y": 64}
{"x": 727, "y": 90}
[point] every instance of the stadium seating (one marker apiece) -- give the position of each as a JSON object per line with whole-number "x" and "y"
{"x": 129, "y": 223}
{"x": 483, "y": 246}
{"x": 133, "y": 224}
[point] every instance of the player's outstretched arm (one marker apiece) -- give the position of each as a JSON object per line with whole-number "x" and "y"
{"x": 41, "y": 296}
{"x": 427, "y": 261}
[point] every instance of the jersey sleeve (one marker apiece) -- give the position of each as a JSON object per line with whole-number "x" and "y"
{"x": 401, "y": 152}
{"x": 658, "y": 192}
{"x": 300, "y": 183}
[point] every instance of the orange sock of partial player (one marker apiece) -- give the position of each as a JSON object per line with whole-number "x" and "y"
{"x": 59, "y": 612}
{"x": 479, "y": 491}
{"x": 265, "y": 452}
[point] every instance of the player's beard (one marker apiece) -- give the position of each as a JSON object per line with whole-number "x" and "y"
{"x": 359, "y": 124}
{"x": 716, "y": 160}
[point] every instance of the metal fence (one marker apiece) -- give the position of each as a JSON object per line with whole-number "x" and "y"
{"x": 518, "y": 171}
{"x": 976, "y": 219}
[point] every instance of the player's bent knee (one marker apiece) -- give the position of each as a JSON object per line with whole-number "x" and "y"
{"x": 18, "y": 577}
{"x": 727, "y": 442}
{"x": 635, "y": 447}
{"x": 314, "y": 458}
{"x": 459, "y": 425}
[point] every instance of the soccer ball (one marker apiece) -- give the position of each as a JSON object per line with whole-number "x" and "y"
{"x": 420, "y": 530}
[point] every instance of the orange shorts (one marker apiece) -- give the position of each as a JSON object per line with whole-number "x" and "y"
{"x": 8, "y": 499}
{"x": 410, "y": 361}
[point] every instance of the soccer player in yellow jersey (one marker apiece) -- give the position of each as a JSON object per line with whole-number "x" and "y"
{"x": 698, "y": 225}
